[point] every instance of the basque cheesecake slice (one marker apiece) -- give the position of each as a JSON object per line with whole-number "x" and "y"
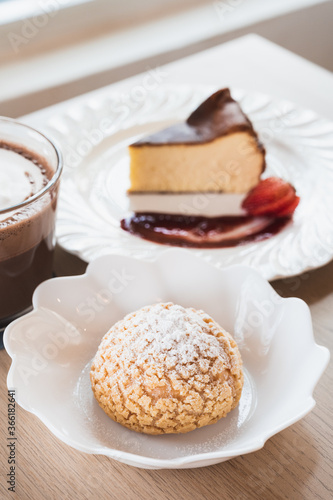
{"x": 216, "y": 149}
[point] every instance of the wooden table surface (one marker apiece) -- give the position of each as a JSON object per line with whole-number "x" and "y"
{"x": 294, "y": 464}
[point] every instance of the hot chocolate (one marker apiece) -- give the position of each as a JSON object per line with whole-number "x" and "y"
{"x": 27, "y": 217}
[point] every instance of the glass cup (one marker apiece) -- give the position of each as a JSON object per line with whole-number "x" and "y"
{"x": 27, "y": 226}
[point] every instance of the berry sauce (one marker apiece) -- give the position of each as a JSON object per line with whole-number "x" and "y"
{"x": 200, "y": 231}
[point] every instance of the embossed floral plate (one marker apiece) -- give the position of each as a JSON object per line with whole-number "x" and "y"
{"x": 94, "y": 138}
{"x": 52, "y": 349}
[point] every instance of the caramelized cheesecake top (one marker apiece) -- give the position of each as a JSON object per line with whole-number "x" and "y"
{"x": 217, "y": 116}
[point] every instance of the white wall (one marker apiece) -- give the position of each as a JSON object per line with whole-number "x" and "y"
{"x": 307, "y": 32}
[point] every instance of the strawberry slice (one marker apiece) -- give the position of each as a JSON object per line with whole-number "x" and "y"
{"x": 290, "y": 209}
{"x": 272, "y": 196}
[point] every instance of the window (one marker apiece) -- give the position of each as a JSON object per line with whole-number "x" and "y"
{"x": 30, "y": 26}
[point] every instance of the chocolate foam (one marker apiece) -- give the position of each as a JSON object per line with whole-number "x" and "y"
{"x": 23, "y": 228}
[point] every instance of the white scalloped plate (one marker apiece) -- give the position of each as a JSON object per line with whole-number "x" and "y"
{"x": 95, "y": 135}
{"x": 53, "y": 346}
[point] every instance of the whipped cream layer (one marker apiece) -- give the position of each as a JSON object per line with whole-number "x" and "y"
{"x": 20, "y": 178}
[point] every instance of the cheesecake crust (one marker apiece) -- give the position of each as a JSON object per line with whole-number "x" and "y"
{"x": 217, "y": 116}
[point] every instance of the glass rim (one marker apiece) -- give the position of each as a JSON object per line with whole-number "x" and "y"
{"x": 53, "y": 179}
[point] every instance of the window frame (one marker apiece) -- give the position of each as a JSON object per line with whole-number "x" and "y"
{"x": 49, "y": 24}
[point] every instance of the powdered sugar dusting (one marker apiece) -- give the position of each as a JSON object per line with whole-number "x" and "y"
{"x": 167, "y": 333}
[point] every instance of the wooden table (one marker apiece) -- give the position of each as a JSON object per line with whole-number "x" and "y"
{"x": 296, "y": 464}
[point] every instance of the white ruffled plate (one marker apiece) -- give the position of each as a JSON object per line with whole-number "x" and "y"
{"x": 94, "y": 137}
{"x": 52, "y": 348}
